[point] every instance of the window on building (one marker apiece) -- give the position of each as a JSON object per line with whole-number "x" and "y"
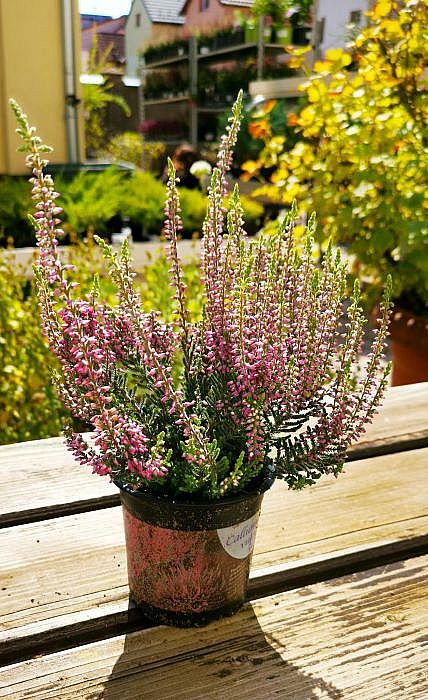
{"x": 355, "y": 17}
{"x": 138, "y": 20}
{"x": 204, "y": 5}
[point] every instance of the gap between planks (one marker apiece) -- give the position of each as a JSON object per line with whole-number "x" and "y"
{"x": 111, "y": 620}
{"x": 353, "y": 637}
{"x": 51, "y": 474}
{"x": 49, "y": 512}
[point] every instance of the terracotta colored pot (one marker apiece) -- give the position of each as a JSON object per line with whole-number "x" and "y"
{"x": 188, "y": 563}
{"x": 409, "y": 346}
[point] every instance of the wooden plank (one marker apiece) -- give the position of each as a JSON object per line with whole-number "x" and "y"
{"x": 359, "y": 636}
{"x": 56, "y": 485}
{"x": 374, "y": 510}
{"x": 381, "y": 491}
{"x": 401, "y": 424}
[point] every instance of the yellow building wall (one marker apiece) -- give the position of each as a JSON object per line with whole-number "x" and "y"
{"x": 32, "y": 72}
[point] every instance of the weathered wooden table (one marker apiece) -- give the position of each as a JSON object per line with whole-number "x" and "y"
{"x": 337, "y": 587}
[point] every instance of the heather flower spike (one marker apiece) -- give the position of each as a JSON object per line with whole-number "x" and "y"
{"x": 268, "y": 378}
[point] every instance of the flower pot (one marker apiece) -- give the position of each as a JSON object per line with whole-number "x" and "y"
{"x": 283, "y": 35}
{"x": 409, "y": 346}
{"x": 239, "y": 35}
{"x": 251, "y": 33}
{"x": 300, "y": 36}
{"x": 267, "y": 33}
{"x": 188, "y": 563}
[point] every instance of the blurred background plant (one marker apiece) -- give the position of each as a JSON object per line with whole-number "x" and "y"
{"x": 15, "y": 203}
{"x": 268, "y": 121}
{"x": 361, "y": 159}
{"x": 130, "y": 147}
{"x": 92, "y": 199}
{"x": 276, "y": 9}
{"x": 100, "y": 202}
{"x": 29, "y": 407}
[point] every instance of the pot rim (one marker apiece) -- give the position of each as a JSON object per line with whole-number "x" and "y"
{"x": 158, "y": 499}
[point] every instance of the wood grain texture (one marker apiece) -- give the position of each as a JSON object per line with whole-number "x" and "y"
{"x": 70, "y": 571}
{"x": 359, "y": 637}
{"x": 56, "y": 485}
{"x": 402, "y": 423}
{"x": 47, "y": 482}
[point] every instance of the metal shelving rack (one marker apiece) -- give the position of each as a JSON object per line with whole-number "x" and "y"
{"x": 193, "y": 57}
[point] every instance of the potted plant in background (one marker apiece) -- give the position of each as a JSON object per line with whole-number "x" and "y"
{"x": 283, "y": 33}
{"x": 301, "y": 22}
{"x": 275, "y": 14}
{"x": 194, "y": 420}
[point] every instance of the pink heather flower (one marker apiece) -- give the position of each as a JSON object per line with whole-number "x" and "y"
{"x": 268, "y": 376}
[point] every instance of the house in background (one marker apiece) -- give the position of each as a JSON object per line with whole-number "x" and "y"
{"x": 87, "y": 21}
{"x": 333, "y": 19}
{"x": 209, "y": 15}
{"x": 40, "y": 67}
{"x": 150, "y": 22}
{"x": 110, "y": 33}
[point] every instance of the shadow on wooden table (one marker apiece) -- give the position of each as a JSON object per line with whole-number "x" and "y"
{"x": 231, "y": 658}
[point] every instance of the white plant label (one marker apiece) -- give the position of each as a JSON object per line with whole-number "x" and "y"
{"x": 238, "y": 540}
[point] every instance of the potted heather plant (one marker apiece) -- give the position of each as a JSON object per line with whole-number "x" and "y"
{"x": 194, "y": 420}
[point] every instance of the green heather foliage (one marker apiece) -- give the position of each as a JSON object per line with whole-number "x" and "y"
{"x": 29, "y": 406}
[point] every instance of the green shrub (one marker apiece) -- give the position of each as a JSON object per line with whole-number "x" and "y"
{"x": 193, "y": 210}
{"x": 15, "y": 202}
{"x": 95, "y": 199}
{"x": 142, "y": 201}
{"x": 100, "y": 201}
{"x": 92, "y": 199}
{"x": 29, "y": 407}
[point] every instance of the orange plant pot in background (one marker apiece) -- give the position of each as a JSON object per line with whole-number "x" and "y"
{"x": 409, "y": 345}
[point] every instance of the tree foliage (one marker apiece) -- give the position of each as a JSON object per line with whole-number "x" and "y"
{"x": 362, "y": 158}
